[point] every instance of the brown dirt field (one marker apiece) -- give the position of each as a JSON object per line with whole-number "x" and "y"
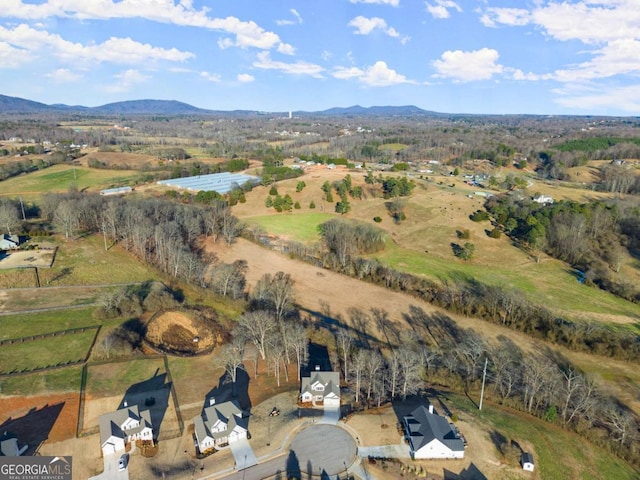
{"x": 24, "y": 416}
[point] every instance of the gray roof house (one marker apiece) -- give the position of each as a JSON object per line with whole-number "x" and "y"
{"x": 9, "y": 242}
{"x": 124, "y": 426}
{"x": 432, "y": 436}
{"x": 9, "y": 446}
{"x": 321, "y": 387}
{"x": 220, "y": 425}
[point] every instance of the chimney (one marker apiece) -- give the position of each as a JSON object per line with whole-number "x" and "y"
{"x": 125, "y": 404}
{"x": 212, "y": 401}
{"x": 317, "y": 368}
{"x": 430, "y": 408}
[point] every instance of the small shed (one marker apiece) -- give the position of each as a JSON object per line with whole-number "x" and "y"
{"x": 526, "y": 460}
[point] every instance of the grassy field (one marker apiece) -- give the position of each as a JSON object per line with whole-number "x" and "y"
{"x": 105, "y": 379}
{"x": 83, "y": 262}
{"x": 44, "y": 352}
{"x": 60, "y": 380}
{"x": 59, "y": 178}
{"x": 26, "y": 324}
{"x": 558, "y": 454}
{"x": 58, "y": 297}
{"x": 549, "y": 282}
{"x": 302, "y": 227}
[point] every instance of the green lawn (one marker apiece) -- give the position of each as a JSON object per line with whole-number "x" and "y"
{"x": 558, "y": 454}
{"x": 302, "y": 227}
{"x": 45, "y": 352}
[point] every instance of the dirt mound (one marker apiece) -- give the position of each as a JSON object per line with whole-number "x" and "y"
{"x": 182, "y": 332}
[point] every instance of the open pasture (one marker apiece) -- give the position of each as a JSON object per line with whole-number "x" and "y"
{"x": 436, "y": 216}
{"x": 48, "y": 351}
{"x": 59, "y": 178}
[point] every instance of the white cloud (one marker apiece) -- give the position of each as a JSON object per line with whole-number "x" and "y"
{"x": 326, "y": 55}
{"x": 365, "y": 26}
{"x": 247, "y": 33}
{"x": 440, "y": 9}
{"x": 265, "y": 62}
{"x": 393, "y": 3}
{"x": 245, "y": 78}
{"x": 345, "y": 73}
{"x": 505, "y": 16}
{"x": 211, "y": 77}
{"x": 64, "y": 75}
{"x": 377, "y": 75}
{"x": 600, "y": 97}
{"x": 297, "y": 21}
{"x": 286, "y": 49}
{"x": 114, "y": 50}
{"x": 11, "y": 57}
{"x": 619, "y": 57}
{"x": 126, "y": 80}
{"x": 468, "y": 66}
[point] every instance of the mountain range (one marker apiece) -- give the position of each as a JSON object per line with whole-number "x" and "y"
{"x": 15, "y": 105}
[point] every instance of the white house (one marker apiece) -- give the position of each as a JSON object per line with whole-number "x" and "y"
{"x": 526, "y": 460}
{"x": 321, "y": 387}
{"x": 123, "y": 426}
{"x": 220, "y": 425}
{"x": 431, "y": 436}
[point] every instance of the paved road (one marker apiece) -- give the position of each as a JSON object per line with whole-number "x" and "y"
{"x": 318, "y": 449}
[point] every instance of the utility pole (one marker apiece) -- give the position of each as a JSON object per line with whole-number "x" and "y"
{"x": 484, "y": 377}
{"x": 24, "y": 217}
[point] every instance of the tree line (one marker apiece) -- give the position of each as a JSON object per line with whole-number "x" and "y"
{"x": 590, "y": 237}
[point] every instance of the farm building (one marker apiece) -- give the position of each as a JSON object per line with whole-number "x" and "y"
{"x": 116, "y": 191}
{"x": 217, "y": 182}
{"x": 431, "y": 436}
{"x": 526, "y": 460}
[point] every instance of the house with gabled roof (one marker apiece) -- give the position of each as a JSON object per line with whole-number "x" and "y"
{"x": 123, "y": 426}
{"x": 432, "y": 436}
{"x": 9, "y": 242}
{"x": 220, "y": 425}
{"x": 321, "y": 387}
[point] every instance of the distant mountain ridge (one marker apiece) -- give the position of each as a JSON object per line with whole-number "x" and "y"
{"x": 173, "y": 107}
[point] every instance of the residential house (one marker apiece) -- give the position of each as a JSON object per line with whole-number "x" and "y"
{"x": 220, "y": 425}
{"x": 9, "y": 242}
{"x": 432, "y": 436}
{"x": 9, "y": 446}
{"x": 321, "y": 387}
{"x": 123, "y": 426}
{"x": 526, "y": 461}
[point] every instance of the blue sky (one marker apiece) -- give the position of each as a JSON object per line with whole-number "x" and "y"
{"x": 460, "y": 56}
